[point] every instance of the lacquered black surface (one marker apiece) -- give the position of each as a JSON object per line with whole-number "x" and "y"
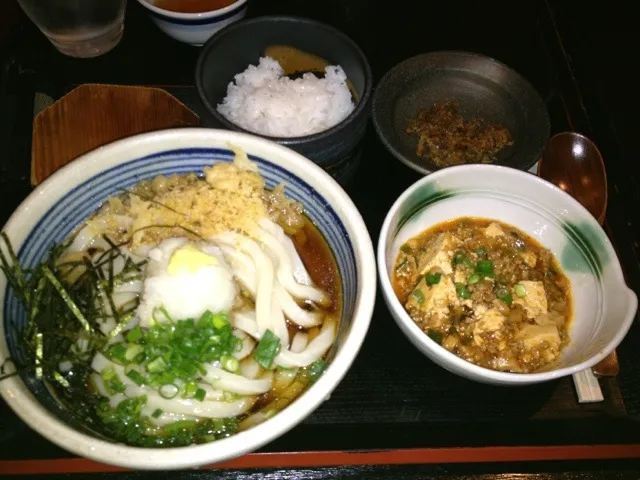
{"x": 598, "y": 41}
{"x": 590, "y": 470}
{"x": 393, "y": 396}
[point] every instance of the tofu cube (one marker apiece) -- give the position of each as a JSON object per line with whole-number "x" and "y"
{"x": 534, "y": 300}
{"x": 493, "y": 230}
{"x": 433, "y": 301}
{"x": 490, "y": 321}
{"x": 533, "y": 336}
{"x": 460, "y": 274}
{"x": 438, "y": 254}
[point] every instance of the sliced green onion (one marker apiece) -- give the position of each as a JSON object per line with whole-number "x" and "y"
{"x": 485, "y": 267}
{"x": 435, "y": 335}
{"x": 474, "y": 278}
{"x": 192, "y": 368}
{"x": 200, "y": 394}
{"x": 161, "y": 379}
{"x": 175, "y": 427}
{"x": 157, "y": 365}
{"x": 459, "y": 257}
{"x": 189, "y": 389}
{"x": 133, "y": 351}
{"x": 418, "y": 295}
{"x": 156, "y": 413}
{"x": 267, "y": 349}
{"x": 462, "y": 291}
{"x": 134, "y": 334}
{"x": 205, "y": 320}
{"x": 220, "y": 320}
{"x": 111, "y": 381}
{"x": 230, "y": 363}
{"x": 168, "y": 391}
{"x": 174, "y": 353}
{"x": 131, "y": 367}
{"x": 503, "y": 294}
{"x": 108, "y": 373}
{"x": 317, "y": 369}
{"x": 115, "y": 385}
{"x": 520, "y": 290}
{"x": 432, "y": 278}
{"x": 188, "y": 346}
{"x": 136, "y": 377}
{"x": 117, "y": 353}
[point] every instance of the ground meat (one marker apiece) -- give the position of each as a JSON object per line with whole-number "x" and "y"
{"x": 482, "y": 292}
{"x": 447, "y": 139}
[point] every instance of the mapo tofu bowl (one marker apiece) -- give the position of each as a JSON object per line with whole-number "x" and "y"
{"x": 501, "y": 277}
{"x": 180, "y": 298}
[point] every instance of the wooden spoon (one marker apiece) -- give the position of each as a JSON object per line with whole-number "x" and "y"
{"x": 573, "y": 162}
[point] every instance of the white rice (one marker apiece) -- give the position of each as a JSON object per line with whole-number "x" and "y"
{"x": 264, "y": 101}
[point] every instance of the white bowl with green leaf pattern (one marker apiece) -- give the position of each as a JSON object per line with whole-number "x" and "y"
{"x": 604, "y": 307}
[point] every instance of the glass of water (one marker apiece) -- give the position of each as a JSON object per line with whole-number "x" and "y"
{"x": 79, "y": 28}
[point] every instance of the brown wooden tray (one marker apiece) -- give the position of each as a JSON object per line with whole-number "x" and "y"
{"x": 93, "y": 115}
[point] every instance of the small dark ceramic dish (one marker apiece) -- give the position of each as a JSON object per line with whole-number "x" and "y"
{"x": 237, "y": 46}
{"x": 481, "y": 86}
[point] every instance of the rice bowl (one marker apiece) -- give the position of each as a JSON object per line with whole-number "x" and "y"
{"x": 263, "y": 100}
{"x": 337, "y": 149}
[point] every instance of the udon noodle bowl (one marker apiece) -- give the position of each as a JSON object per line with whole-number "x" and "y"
{"x": 186, "y": 309}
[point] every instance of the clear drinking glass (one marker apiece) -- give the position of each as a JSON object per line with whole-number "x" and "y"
{"x": 78, "y": 28}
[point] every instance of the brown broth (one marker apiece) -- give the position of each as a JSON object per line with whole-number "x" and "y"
{"x": 320, "y": 263}
{"x": 192, "y": 6}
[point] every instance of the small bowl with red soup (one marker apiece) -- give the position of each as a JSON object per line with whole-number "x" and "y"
{"x": 194, "y": 21}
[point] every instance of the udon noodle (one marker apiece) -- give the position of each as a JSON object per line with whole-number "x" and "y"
{"x": 205, "y": 298}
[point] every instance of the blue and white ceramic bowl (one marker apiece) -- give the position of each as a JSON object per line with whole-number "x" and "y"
{"x": 604, "y": 307}
{"x": 70, "y": 196}
{"x": 195, "y": 28}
